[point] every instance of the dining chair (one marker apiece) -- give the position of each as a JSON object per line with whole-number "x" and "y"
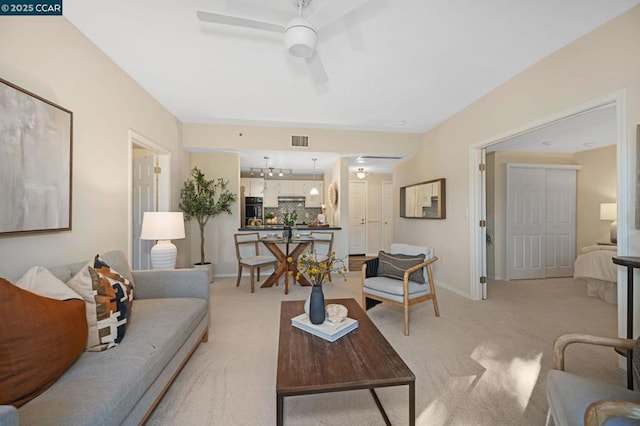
{"x": 322, "y": 246}
{"x": 248, "y": 254}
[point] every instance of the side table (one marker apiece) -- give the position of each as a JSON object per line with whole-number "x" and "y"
{"x": 630, "y": 263}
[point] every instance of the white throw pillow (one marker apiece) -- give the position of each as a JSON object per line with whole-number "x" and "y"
{"x": 41, "y": 281}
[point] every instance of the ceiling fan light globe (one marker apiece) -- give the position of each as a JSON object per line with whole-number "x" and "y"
{"x": 300, "y": 38}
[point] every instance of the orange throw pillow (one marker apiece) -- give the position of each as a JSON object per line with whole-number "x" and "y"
{"x": 40, "y": 339}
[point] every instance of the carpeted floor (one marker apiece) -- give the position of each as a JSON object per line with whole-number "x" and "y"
{"x": 480, "y": 363}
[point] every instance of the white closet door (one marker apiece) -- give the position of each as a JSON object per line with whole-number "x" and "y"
{"x": 525, "y": 223}
{"x": 560, "y": 250}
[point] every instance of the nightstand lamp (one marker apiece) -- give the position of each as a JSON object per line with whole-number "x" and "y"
{"x": 609, "y": 211}
{"x": 163, "y": 227}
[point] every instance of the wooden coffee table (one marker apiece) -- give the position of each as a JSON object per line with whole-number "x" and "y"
{"x": 362, "y": 359}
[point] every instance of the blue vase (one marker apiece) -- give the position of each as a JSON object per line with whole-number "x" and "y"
{"x": 316, "y": 305}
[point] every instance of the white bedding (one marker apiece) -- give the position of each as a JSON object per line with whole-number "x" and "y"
{"x": 595, "y": 265}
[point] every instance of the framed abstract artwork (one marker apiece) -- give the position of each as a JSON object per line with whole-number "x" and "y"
{"x": 35, "y": 163}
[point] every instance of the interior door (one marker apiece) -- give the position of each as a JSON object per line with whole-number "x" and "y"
{"x": 560, "y": 249}
{"x": 526, "y": 222}
{"x": 143, "y": 201}
{"x": 357, "y": 217}
{"x": 387, "y": 215}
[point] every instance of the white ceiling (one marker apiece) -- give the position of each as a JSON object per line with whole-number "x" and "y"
{"x": 590, "y": 130}
{"x": 400, "y": 66}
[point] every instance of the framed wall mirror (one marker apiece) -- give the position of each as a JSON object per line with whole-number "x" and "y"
{"x": 425, "y": 200}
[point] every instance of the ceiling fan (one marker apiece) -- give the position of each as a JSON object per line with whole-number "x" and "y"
{"x": 300, "y": 32}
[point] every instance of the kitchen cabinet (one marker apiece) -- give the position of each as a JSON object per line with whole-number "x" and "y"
{"x": 314, "y": 200}
{"x": 287, "y": 188}
{"x": 253, "y": 187}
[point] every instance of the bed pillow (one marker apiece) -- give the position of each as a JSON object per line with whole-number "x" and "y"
{"x": 40, "y": 281}
{"x": 41, "y": 339}
{"x": 394, "y": 265}
{"x": 108, "y": 297}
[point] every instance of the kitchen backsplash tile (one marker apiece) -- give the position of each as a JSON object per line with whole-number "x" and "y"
{"x": 305, "y": 214}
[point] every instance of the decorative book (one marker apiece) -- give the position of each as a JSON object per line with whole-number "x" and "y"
{"x": 327, "y": 330}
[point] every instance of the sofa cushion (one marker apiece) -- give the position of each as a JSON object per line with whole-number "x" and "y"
{"x": 394, "y": 266}
{"x": 108, "y": 296}
{"x": 40, "y": 281}
{"x": 103, "y": 387}
{"x": 40, "y": 338}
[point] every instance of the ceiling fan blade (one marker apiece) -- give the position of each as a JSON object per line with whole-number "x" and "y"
{"x": 317, "y": 69}
{"x": 335, "y": 10}
{"x": 236, "y": 21}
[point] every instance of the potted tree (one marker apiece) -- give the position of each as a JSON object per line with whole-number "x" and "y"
{"x": 202, "y": 199}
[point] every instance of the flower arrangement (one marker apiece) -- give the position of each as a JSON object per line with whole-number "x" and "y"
{"x": 289, "y": 218}
{"x": 318, "y": 272}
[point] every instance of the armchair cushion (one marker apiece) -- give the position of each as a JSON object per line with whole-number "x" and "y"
{"x": 394, "y": 266}
{"x": 569, "y": 395}
{"x": 393, "y": 289}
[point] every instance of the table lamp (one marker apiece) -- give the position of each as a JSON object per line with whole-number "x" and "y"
{"x": 163, "y": 227}
{"x": 609, "y": 211}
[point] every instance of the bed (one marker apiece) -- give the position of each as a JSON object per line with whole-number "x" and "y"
{"x": 595, "y": 266}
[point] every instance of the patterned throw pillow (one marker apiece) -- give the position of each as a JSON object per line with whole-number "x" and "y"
{"x": 40, "y": 338}
{"x": 108, "y": 298}
{"x": 394, "y": 265}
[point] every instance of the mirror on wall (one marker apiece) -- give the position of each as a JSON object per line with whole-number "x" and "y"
{"x": 424, "y": 200}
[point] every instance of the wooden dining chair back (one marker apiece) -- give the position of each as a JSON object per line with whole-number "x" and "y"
{"x": 322, "y": 246}
{"x": 248, "y": 255}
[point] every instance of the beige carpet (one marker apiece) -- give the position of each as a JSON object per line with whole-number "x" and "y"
{"x": 480, "y": 363}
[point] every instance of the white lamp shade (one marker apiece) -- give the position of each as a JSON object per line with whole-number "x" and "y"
{"x": 162, "y": 226}
{"x": 608, "y": 211}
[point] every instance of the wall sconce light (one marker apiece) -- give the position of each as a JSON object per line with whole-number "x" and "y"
{"x": 361, "y": 174}
{"x": 609, "y": 211}
{"x": 163, "y": 227}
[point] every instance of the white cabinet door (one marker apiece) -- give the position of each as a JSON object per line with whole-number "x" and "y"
{"x": 253, "y": 187}
{"x": 270, "y": 195}
{"x": 314, "y": 200}
{"x": 285, "y": 188}
{"x": 299, "y": 187}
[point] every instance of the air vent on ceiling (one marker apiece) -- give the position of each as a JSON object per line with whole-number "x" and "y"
{"x": 378, "y": 157}
{"x": 300, "y": 141}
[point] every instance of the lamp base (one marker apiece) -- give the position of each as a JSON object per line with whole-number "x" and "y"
{"x": 163, "y": 255}
{"x": 614, "y": 232}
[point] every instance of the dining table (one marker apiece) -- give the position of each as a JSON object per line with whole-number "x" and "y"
{"x": 287, "y": 251}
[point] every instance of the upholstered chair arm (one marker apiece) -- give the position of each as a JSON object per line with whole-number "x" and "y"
{"x": 561, "y": 343}
{"x": 600, "y": 411}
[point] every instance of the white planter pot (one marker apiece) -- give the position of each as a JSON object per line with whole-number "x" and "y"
{"x": 208, "y": 267}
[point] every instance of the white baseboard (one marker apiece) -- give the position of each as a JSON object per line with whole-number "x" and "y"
{"x": 452, "y": 289}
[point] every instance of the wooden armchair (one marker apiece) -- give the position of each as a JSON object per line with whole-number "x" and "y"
{"x": 578, "y": 400}
{"x": 397, "y": 284}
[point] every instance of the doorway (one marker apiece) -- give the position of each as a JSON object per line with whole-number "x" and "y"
{"x": 357, "y": 218}
{"x": 149, "y": 190}
{"x": 478, "y": 188}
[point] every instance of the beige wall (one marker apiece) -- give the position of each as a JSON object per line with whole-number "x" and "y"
{"x": 596, "y": 184}
{"x": 219, "y": 243}
{"x": 600, "y": 63}
{"x": 51, "y": 58}
{"x": 212, "y": 136}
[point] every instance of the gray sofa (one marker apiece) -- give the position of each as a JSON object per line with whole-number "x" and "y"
{"x": 170, "y": 317}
